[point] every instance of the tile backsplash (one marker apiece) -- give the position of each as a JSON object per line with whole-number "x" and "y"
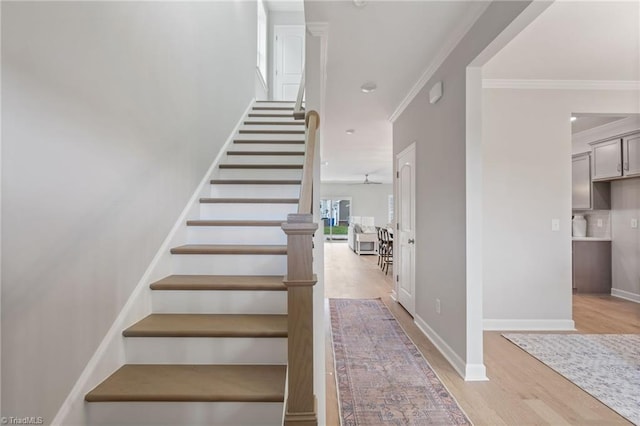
{"x": 593, "y": 230}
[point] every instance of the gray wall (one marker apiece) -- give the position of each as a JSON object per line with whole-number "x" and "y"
{"x": 625, "y": 205}
{"x": 112, "y": 113}
{"x": 366, "y": 200}
{"x": 439, "y": 133}
{"x": 527, "y": 150}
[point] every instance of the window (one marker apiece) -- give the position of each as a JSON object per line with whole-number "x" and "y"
{"x": 261, "y": 63}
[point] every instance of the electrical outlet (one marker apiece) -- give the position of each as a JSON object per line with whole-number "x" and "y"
{"x": 555, "y": 225}
{"x": 599, "y": 223}
{"x": 437, "y": 306}
{"x": 634, "y": 223}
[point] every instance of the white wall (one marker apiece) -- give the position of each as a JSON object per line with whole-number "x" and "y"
{"x": 112, "y": 112}
{"x": 527, "y": 182}
{"x": 439, "y": 131}
{"x": 366, "y": 200}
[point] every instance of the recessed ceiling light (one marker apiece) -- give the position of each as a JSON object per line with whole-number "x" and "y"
{"x": 359, "y": 3}
{"x": 369, "y": 86}
{"x": 324, "y": 163}
{"x": 350, "y": 131}
{"x": 573, "y": 119}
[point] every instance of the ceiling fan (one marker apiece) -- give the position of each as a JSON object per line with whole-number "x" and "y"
{"x": 367, "y": 181}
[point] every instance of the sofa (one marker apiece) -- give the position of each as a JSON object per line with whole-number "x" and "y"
{"x": 362, "y": 235}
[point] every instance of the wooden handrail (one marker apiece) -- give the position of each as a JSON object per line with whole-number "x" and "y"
{"x": 298, "y": 111}
{"x": 300, "y": 406}
{"x": 306, "y": 189}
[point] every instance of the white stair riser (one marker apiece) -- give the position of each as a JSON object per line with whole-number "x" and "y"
{"x": 264, "y": 159}
{"x": 285, "y": 128}
{"x": 229, "y": 264}
{"x": 283, "y": 104}
{"x": 269, "y": 136}
{"x": 206, "y": 350}
{"x": 259, "y": 173}
{"x": 219, "y": 302}
{"x": 288, "y": 119}
{"x": 264, "y": 147}
{"x": 254, "y": 191}
{"x": 241, "y": 211}
{"x": 185, "y": 413}
{"x": 236, "y": 235}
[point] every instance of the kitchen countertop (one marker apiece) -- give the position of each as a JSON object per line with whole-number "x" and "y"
{"x": 590, "y": 239}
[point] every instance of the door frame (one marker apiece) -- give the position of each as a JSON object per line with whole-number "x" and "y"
{"x": 395, "y": 295}
{"x": 274, "y": 47}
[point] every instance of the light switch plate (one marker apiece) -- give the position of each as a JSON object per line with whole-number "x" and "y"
{"x": 634, "y": 223}
{"x": 555, "y": 225}
{"x": 599, "y": 223}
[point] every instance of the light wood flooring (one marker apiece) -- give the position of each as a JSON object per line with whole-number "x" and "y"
{"x": 521, "y": 390}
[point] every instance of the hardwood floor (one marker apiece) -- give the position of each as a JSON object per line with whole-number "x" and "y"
{"x": 521, "y": 390}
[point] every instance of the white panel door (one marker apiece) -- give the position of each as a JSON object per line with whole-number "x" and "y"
{"x": 404, "y": 240}
{"x": 289, "y": 61}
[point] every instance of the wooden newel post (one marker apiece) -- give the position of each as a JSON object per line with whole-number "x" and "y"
{"x": 301, "y": 402}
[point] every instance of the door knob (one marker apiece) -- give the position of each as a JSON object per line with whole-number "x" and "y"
{"x": 411, "y": 241}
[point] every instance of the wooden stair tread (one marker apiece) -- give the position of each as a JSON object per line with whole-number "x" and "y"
{"x": 229, "y": 249}
{"x": 221, "y": 282}
{"x": 271, "y": 141}
{"x": 202, "y": 383}
{"x": 261, "y": 166}
{"x": 255, "y": 182}
{"x": 209, "y": 325}
{"x": 217, "y": 200}
{"x": 300, "y": 153}
{"x": 271, "y": 131}
{"x": 203, "y": 222}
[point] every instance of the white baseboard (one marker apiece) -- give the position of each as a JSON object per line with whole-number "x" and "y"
{"x": 528, "y": 325}
{"x": 454, "y": 359}
{"x": 110, "y": 354}
{"x": 475, "y": 373}
{"x": 627, "y": 295}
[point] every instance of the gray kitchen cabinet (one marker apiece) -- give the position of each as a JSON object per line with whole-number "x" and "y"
{"x": 586, "y": 194}
{"x": 616, "y": 158}
{"x": 631, "y": 155}
{"x": 607, "y": 159}
{"x": 592, "y": 266}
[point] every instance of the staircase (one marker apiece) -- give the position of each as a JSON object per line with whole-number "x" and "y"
{"x": 214, "y": 349}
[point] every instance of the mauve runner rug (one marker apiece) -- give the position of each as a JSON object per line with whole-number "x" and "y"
{"x": 381, "y": 376}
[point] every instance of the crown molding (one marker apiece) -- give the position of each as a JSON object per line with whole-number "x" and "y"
{"x": 606, "y": 131}
{"x": 472, "y": 15}
{"x": 498, "y": 83}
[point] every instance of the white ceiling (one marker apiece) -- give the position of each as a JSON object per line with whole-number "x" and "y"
{"x": 393, "y": 42}
{"x": 575, "y": 40}
{"x": 390, "y": 43}
{"x": 588, "y": 122}
{"x": 285, "y": 5}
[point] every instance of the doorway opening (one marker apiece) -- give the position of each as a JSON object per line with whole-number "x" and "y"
{"x": 335, "y": 217}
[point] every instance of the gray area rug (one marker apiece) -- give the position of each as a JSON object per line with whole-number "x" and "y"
{"x": 382, "y": 378}
{"x": 607, "y": 366}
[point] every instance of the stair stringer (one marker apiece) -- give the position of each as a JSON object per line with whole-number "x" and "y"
{"x": 110, "y": 354}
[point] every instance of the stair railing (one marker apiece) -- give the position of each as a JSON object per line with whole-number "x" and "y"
{"x": 298, "y": 111}
{"x": 300, "y": 406}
